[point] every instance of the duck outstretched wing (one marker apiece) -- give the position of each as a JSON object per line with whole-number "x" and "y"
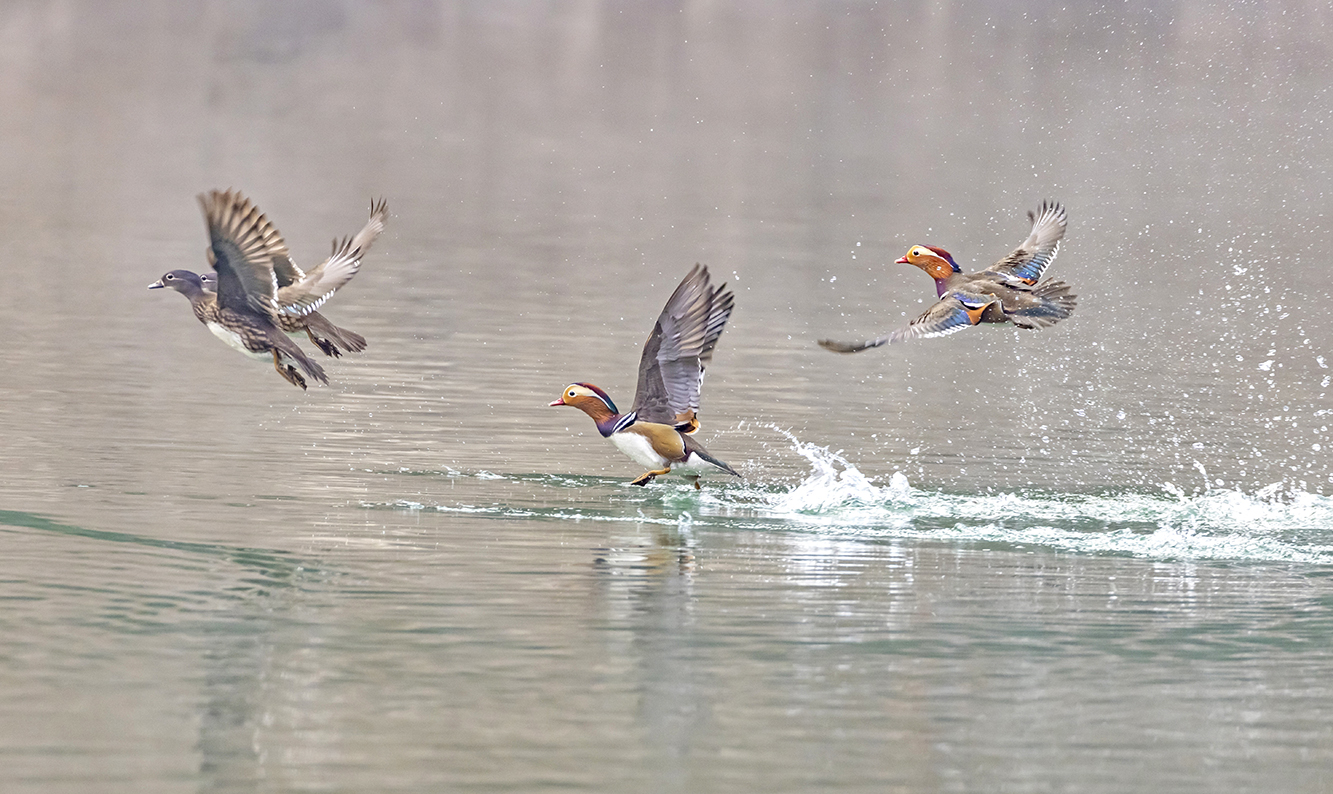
{"x": 949, "y": 315}
{"x": 1028, "y": 261}
{"x": 681, "y": 345}
{"x": 312, "y": 289}
{"x": 240, "y": 238}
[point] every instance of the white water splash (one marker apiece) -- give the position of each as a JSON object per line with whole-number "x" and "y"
{"x": 835, "y": 497}
{"x": 834, "y": 483}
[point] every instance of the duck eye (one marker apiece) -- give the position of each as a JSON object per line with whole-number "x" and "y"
{"x": 171, "y": 278}
{"x": 571, "y": 394}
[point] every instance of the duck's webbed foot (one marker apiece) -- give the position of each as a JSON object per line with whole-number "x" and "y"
{"x": 648, "y": 477}
{"x": 695, "y": 480}
{"x": 288, "y": 372}
{"x": 323, "y": 344}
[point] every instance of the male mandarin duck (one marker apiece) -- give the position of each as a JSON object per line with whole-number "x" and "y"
{"x": 657, "y": 431}
{"x": 1007, "y": 291}
{"x": 243, "y": 313}
{"x": 300, "y": 294}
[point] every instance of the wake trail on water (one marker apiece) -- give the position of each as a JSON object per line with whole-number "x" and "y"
{"x": 1274, "y": 524}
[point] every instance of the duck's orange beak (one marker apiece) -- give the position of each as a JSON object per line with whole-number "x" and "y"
{"x": 902, "y": 260}
{"x": 560, "y": 401}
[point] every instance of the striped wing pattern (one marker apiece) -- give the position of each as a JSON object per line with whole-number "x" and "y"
{"x": 949, "y": 315}
{"x": 310, "y": 290}
{"x": 1029, "y": 260}
{"x": 240, "y": 237}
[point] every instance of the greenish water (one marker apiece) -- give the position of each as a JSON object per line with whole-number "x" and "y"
{"x": 1093, "y": 558}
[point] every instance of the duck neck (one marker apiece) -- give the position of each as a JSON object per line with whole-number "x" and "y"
{"x": 607, "y": 426}
{"x": 602, "y": 416}
{"x": 192, "y": 292}
{"x": 941, "y": 287}
{"x": 201, "y": 302}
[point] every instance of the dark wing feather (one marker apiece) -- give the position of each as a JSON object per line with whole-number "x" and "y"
{"x": 1028, "y": 261}
{"x": 680, "y": 346}
{"x": 950, "y": 314}
{"x": 284, "y": 267}
{"x": 314, "y": 288}
{"x": 239, "y": 240}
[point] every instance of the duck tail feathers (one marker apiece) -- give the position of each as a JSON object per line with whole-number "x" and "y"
{"x": 294, "y": 352}
{"x": 343, "y": 338}
{"x": 1055, "y": 304}
{"x": 721, "y": 465}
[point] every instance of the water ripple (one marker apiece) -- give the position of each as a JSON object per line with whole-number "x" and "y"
{"x": 835, "y": 498}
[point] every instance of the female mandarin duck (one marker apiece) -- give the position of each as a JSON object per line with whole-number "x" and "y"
{"x": 300, "y": 293}
{"x": 656, "y": 433}
{"x": 244, "y": 311}
{"x": 1007, "y": 291}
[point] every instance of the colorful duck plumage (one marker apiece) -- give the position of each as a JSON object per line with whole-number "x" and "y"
{"x": 1007, "y": 291}
{"x": 657, "y": 431}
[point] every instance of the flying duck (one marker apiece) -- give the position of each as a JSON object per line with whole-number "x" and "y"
{"x": 657, "y": 433}
{"x": 1007, "y": 291}
{"x": 300, "y": 294}
{"x": 243, "y": 313}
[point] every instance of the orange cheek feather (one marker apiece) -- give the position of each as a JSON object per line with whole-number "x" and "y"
{"x": 938, "y": 269}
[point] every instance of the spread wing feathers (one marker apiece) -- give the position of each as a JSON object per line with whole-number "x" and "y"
{"x": 949, "y": 315}
{"x": 313, "y": 288}
{"x": 1028, "y": 261}
{"x": 681, "y": 344}
{"x": 720, "y": 303}
{"x": 283, "y": 266}
{"x": 239, "y": 241}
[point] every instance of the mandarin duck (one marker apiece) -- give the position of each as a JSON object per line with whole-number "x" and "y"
{"x": 243, "y": 313}
{"x": 1007, "y": 291}
{"x": 657, "y": 433}
{"x": 300, "y": 294}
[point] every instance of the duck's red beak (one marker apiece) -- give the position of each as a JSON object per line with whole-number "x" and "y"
{"x": 902, "y": 260}
{"x": 560, "y": 401}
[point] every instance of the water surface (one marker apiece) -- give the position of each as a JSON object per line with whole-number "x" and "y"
{"x": 1093, "y": 558}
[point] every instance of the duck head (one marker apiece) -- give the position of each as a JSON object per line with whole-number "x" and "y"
{"x": 937, "y": 262}
{"x": 183, "y": 281}
{"x": 209, "y": 281}
{"x": 592, "y": 401}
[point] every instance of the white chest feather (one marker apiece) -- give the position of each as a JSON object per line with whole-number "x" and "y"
{"x": 233, "y": 341}
{"x": 639, "y": 450}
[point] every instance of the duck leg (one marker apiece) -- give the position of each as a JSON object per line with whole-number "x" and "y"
{"x": 289, "y": 373}
{"x": 325, "y": 345}
{"x": 647, "y": 477}
{"x": 695, "y": 479}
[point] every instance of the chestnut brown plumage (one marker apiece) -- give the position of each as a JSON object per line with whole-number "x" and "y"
{"x": 1007, "y": 291}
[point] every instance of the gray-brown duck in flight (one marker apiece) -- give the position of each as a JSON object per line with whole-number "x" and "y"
{"x": 243, "y": 313}
{"x": 301, "y": 293}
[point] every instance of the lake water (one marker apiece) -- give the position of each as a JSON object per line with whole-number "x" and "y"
{"x": 1094, "y": 558}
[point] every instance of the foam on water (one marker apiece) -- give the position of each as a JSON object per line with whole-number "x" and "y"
{"x": 1272, "y": 524}
{"x": 835, "y": 498}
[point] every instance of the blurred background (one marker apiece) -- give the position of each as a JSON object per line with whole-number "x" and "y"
{"x": 552, "y": 170}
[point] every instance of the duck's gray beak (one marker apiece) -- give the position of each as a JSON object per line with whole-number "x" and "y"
{"x": 157, "y": 284}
